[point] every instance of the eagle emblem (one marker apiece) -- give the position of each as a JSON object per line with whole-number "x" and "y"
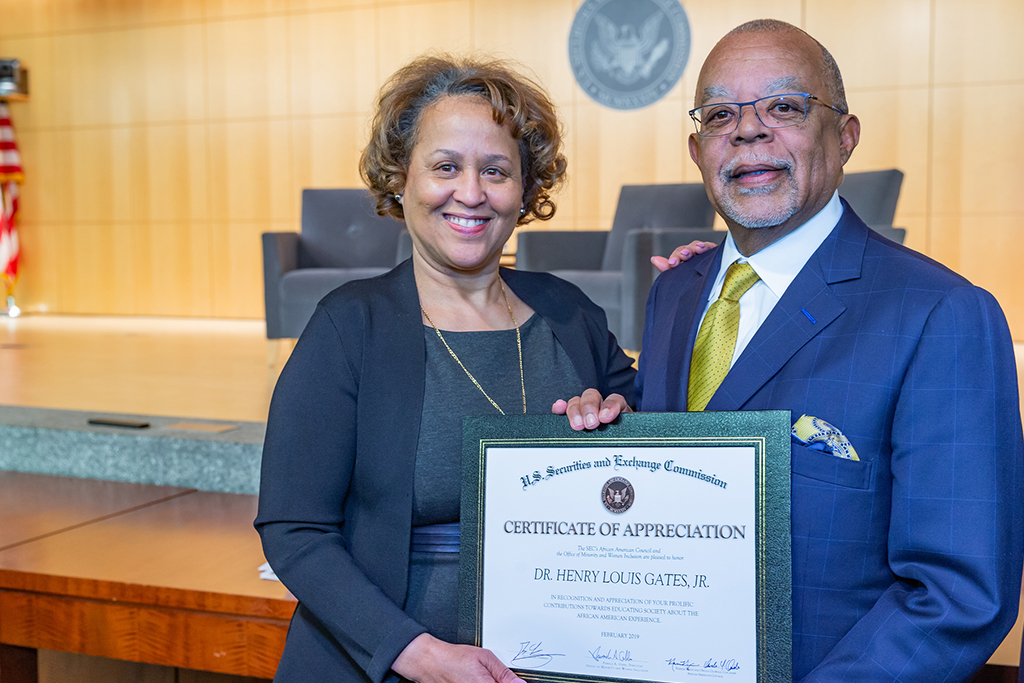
{"x": 617, "y": 495}
{"x": 627, "y": 54}
{"x": 624, "y": 54}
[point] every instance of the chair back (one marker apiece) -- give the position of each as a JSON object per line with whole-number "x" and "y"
{"x": 341, "y": 229}
{"x": 897, "y": 235}
{"x": 873, "y": 194}
{"x": 655, "y": 206}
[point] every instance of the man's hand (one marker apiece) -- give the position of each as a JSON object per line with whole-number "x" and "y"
{"x": 681, "y": 254}
{"x": 429, "y": 660}
{"x": 589, "y": 410}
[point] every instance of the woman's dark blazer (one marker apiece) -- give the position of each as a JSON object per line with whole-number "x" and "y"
{"x": 335, "y": 509}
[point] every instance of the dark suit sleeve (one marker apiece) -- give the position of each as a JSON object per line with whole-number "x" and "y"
{"x": 308, "y": 460}
{"x": 955, "y": 533}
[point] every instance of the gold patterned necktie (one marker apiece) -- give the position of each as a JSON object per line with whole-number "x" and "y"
{"x": 716, "y": 340}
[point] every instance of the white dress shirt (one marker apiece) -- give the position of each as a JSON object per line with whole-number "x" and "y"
{"x": 777, "y": 265}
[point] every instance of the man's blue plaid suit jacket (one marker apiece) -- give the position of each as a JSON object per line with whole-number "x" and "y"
{"x": 906, "y": 564}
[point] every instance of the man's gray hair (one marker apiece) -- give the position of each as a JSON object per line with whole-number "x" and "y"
{"x": 829, "y": 69}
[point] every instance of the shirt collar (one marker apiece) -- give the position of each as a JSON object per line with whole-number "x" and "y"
{"x": 779, "y": 262}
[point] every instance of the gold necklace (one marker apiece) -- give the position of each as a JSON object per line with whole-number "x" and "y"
{"x": 519, "y": 345}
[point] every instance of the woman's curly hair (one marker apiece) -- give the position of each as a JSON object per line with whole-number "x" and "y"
{"x": 515, "y": 100}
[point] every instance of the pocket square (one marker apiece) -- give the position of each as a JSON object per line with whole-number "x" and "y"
{"x": 820, "y": 435}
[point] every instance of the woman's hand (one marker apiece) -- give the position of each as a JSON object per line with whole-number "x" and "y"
{"x": 589, "y": 410}
{"x": 429, "y": 660}
{"x": 681, "y": 254}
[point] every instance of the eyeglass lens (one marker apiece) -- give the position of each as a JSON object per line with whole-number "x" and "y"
{"x": 777, "y": 111}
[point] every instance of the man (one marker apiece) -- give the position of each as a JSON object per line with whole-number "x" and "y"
{"x": 908, "y": 534}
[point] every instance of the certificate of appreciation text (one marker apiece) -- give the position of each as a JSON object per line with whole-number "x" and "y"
{"x": 622, "y": 557}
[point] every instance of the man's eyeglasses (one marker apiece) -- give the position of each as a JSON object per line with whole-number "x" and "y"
{"x": 775, "y": 111}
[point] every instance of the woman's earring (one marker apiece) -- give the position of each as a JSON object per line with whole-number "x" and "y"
{"x": 522, "y": 211}
{"x": 398, "y": 198}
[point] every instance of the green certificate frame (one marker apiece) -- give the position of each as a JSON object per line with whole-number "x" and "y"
{"x": 754, "y": 444}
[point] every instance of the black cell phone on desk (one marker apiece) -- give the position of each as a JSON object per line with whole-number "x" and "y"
{"x": 110, "y": 422}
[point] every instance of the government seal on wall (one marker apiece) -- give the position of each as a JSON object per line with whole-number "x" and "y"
{"x": 627, "y": 54}
{"x": 617, "y": 495}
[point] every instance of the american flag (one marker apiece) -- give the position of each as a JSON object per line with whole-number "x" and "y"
{"x": 11, "y": 176}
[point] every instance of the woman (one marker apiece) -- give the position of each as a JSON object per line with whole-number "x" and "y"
{"x": 359, "y": 496}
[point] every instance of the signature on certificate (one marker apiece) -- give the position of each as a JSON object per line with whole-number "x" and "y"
{"x": 610, "y": 655}
{"x": 727, "y": 666}
{"x": 532, "y": 655}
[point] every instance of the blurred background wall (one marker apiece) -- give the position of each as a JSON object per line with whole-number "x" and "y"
{"x": 163, "y": 136}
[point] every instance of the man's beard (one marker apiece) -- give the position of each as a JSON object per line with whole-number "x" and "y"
{"x": 785, "y": 191}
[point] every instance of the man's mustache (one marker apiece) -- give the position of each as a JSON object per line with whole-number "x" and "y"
{"x": 751, "y": 163}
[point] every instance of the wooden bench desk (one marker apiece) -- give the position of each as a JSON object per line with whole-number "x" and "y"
{"x": 171, "y": 582}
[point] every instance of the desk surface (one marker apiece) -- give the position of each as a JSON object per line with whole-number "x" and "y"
{"x": 142, "y": 573}
{"x": 194, "y": 551}
{"x": 37, "y": 505}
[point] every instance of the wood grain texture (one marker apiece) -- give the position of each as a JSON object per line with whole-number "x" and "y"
{"x": 37, "y": 505}
{"x": 197, "y": 551}
{"x": 175, "y": 586}
{"x": 169, "y": 637}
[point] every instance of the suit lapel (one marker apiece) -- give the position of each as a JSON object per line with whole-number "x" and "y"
{"x": 803, "y": 312}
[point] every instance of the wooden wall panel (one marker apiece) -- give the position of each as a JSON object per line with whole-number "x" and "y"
{"x": 977, "y": 147}
{"x": 170, "y": 181}
{"x": 163, "y": 136}
{"x": 94, "y": 15}
{"x": 249, "y": 171}
{"x": 99, "y": 160}
{"x": 325, "y": 152}
{"x": 892, "y": 135}
{"x": 537, "y": 39}
{"x": 173, "y": 261}
{"x": 44, "y": 159}
{"x": 883, "y": 44}
{"x": 408, "y": 30}
{"x": 978, "y": 43}
{"x": 98, "y": 269}
{"x": 333, "y": 62}
{"x": 234, "y": 9}
{"x": 237, "y": 286}
{"x": 172, "y": 87}
{"x": 248, "y": 68}
{"x": 22, "y": 17}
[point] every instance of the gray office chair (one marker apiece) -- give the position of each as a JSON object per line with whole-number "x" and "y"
{"x": 873, "y": 194}
{"x": 342, "y": 239}
{"x": 897, "y": 235}
{"x": 596, "y": 262}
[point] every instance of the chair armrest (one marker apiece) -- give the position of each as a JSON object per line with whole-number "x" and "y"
{"x": 544, "y": 250}
{"x": 280, "y": 255}
{"x": 638, "y": 274}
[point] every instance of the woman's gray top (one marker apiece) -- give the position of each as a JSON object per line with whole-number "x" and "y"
{"x": 493, "y": 358}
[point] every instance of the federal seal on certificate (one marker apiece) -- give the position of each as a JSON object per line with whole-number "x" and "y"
{"x": 653, "y": 549}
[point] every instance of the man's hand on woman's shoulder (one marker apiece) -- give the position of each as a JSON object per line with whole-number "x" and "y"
{"x": 681, "y": 254}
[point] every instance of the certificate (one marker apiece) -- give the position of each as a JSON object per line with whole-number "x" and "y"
{"x": 654, "y": 549}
